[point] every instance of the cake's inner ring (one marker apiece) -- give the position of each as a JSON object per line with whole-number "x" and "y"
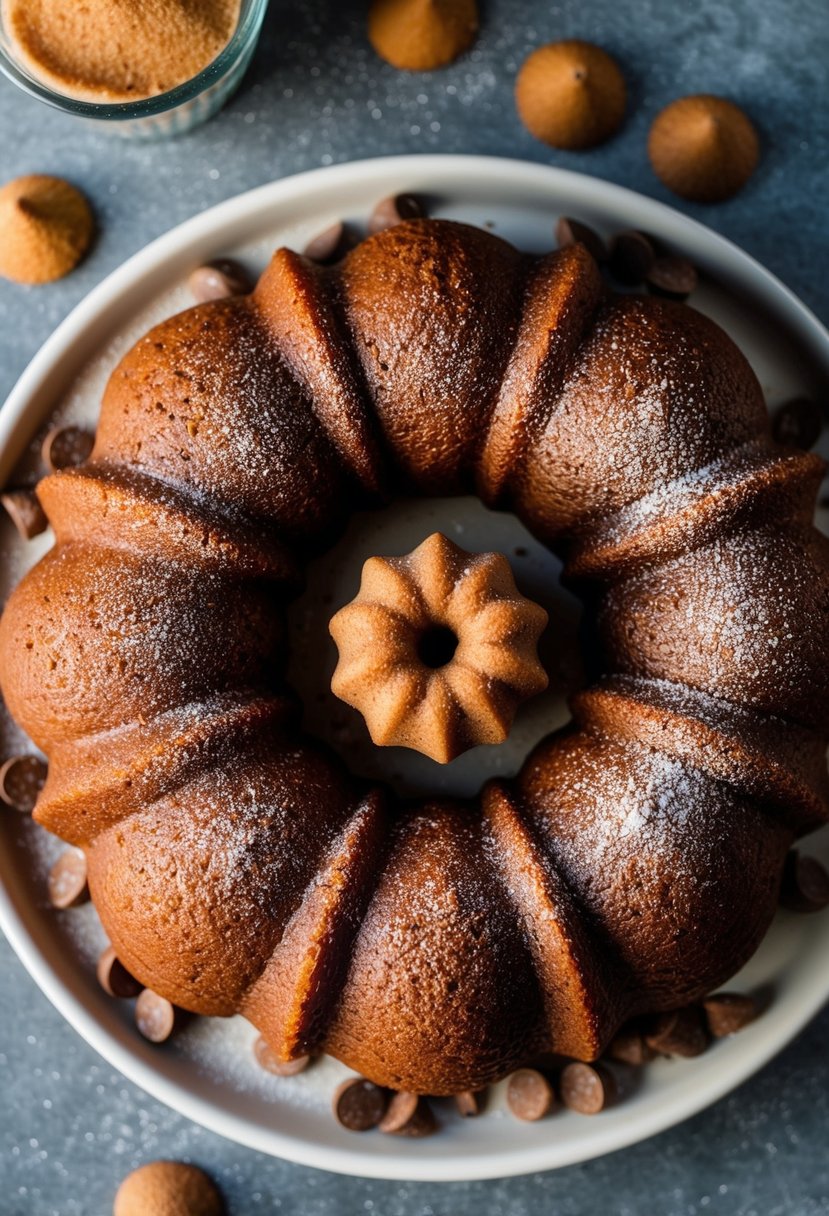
{"x": 436, "y": 646}
{"x": 333, "y": 579}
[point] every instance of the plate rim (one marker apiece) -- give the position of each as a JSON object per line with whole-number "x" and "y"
{"x": 143, "y": 265}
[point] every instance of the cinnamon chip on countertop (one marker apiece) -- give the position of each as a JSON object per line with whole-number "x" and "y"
{"x": 219, "y": 280}
{"x": 168, "y": 1188}
{"x": 680, "y": 1032}
{"x": 67, "y": 880}
{"x": 728, "y": 1012}
{"x": 418, "y": 37}
{"x": 359, "y": 1104}
{"x": 66, "y": 447}
{"x": 25, "y": 511}
{"x": 114, "y": 977}
{"x": 587, "y": 1088}
{"x": 267, "y": 1058}
{"x": 21, "y": 780}
{"x": 393, "y": 210}
{"x": 805, "y": 885}
{"x": 530, "y": 1095}
{"x": 155, "y": 1016}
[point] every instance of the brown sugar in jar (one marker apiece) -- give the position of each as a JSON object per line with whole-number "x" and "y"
{"x": 111, "y": 51}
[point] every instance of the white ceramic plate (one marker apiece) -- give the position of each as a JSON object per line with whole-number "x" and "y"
{"x": 208, "y": 1074}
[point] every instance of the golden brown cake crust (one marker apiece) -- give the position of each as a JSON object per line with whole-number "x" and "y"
{"x": 633, "y": 864}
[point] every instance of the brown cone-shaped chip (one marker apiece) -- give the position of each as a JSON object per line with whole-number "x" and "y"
{"x": 681, "y": 1032}
{"x": 267, "y": 1058}
{"x": 631, "y": 256}
{"x": 359, "y": 1104}
{"x": 586, "y": 1088}
{"x": 571, "y": 94}
{"x": 530, "y": 1095}
{"x": 421, "y": 35}
{"x": 155, "y": 1016}
{"x": 703, "y": 148}
{"x": 46, "y": 227}
{"x": 470, "y": 1102}
{"x": 168, "y": 1188}
{"x": 331, "y": 244}
{"x": 421, "y": 1121}
{"x": 672, "y": 276}
{"x": 401, "y": 1108}
{"x": 219, "y": 280}
{"x": 629, "y": 1047}
{"x": 21, "y": 780}
{"x": 574, "y": 232}
{"x": 393, "y": 210}
{"x": 114, "y": 977}
{"x": 66, "y": 447}
{"x": 25, "y": 511}
{"x": 728, "y": 1012}
{"x": 805, "y": 885}
{"x": 67, "y": 880}
{"x": 797, "y": 423}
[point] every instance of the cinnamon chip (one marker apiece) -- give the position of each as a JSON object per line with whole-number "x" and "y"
{"x": 674, "y": 277}
{"x": 629, "y": 1047}
{"x": 571, "y": 94}
{"x": 267, "y": 1058}
{"x": 155, "y": 1016}
{"x": 680, "y": 1032}
{"x": 67, "y": 880}
{"x": 359, "y": 1104}
{"x": 631, "y": 256}
{"x": 421, "y": 1122}
{"x": 703, "y": 148}
{"x": 67, "y": 447}
{"x": 400, "y": 1110}
{"x": 219, "y": 280}
{"x": 393, "y": 210}
{"x": 728, "y": 1012}
{"x": 470, "y": 1102}
{"x": 530, "y": 1095}
{"x": 114, "y": 977}
{"x": 330, "y": 245}
{"x": 797, "y": 423}
{"x": 168, "y": 1188}
{"x": 587, "y": 1088}
{"x": 21, "y": 780}
{"x": 27, "y": 515}
{"x": 805, "y": 885}
{"x": 418, "y": 37}
{"x": 574, "y": 232}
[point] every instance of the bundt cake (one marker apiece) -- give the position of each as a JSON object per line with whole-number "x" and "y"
{"x": 634, "y": 862}
{"x": 438, "y": 649}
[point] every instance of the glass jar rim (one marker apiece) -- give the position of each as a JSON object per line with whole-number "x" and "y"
{"x": 250, "y": 18}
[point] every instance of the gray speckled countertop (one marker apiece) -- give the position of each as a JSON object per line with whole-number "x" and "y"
{"x": 70, "y": 1126}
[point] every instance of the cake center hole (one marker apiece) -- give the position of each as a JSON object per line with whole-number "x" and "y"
{"x": 436, "y": 646}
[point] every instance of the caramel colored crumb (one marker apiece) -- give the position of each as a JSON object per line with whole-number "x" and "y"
{"x": 46, "y": 227}
{"x": 168, "y": 1188}
{"x": 118, "y": 50}
{"x": 571, "y": 94}
{"x": 420, "y": 35}
{"x": 703, "y": 148}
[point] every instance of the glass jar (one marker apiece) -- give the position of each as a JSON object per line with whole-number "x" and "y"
{"x": 171, "y": 113}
